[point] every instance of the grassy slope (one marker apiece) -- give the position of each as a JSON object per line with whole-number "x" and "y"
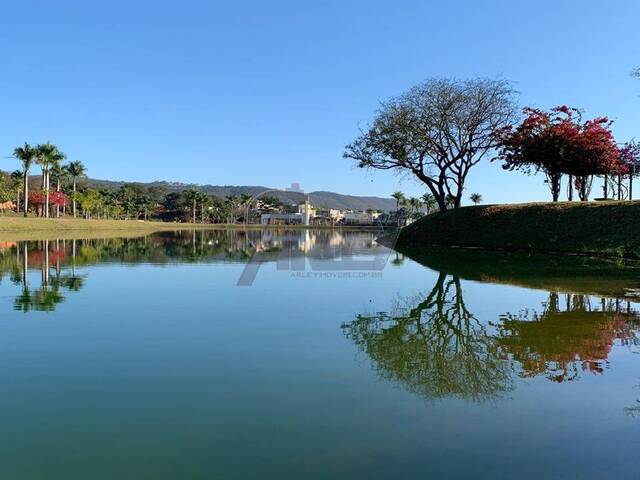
{"x": 14, "y": 227}
{"x": 597, "y": 228}
{"x": 19, "y": 228}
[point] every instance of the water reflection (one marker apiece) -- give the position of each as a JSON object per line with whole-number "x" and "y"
{"x": 569, "y": 334}
{"x": 46, "y": 270}
{"x": 46, "y": 257}
{"x": 433, "y": 345}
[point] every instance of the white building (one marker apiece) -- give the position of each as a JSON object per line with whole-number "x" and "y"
{"x": 306, "y": 212}
{"x": 360, "y": 218}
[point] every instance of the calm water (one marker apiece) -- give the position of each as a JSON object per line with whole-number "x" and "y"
{"x": 238, "y": 355}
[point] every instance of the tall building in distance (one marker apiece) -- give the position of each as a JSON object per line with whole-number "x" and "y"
{"x": 295, "y": 187}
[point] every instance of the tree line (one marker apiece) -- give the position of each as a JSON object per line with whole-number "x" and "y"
{"x": 61, "y": 187}
{"x": 439, "y": 130}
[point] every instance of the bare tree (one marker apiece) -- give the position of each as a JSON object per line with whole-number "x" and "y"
{"x": 437, "y": 132}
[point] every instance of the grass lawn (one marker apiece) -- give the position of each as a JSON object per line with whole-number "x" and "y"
{"x": 594, "y": 228}
{"x": 15, "y": 227}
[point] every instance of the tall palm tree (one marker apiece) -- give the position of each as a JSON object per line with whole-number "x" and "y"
{"x": 58, "y": 173}
{"x": 26, "y": 154}
{"x": 205, "y": 202}
{"x": 245, "y": 201}
{"x": 192, "y": 196}
{"x": 18, "y": 179}
{"x": 76, "y": 169}
{"x": 399, "y": 198}
{"x": 47, "y": 155}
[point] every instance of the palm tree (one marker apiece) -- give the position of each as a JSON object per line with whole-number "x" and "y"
{"x": 76, "y": 169}
{"x": 18, "y": 179}
{"x": 26, "y": 154}
{"x": 58, "y": 173}
{"x": 476, "y": 198}
{"x": 192, "y": 196}
{"x": 47, "y": 155}
{"x": 232, "y": 203}
{"x": 245, "y": 201}
{"x": 429, "y": 202}
{"x": 205, "y": 202}
{"x": 414, "y": 204}
{"x": 399, "y": 198}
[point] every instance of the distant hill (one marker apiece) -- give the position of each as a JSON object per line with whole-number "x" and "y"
{"x": 319, "y": 199}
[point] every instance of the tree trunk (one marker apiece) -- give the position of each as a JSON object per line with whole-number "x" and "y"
{"x": 194, "y": 212}
{"x": 26, "y": 192}
{"x": 631, "y": 187}
{"x": 18, "y": 201}
{"x": 57, "y": 205}
{"x": 571, "y": 188}
{"x": 555, "y": 188}
{"x": 619, "y": 187}
{"x": 46, "y": 196}
{"x": 74, "y": 197}
{"x": 605, "y": 187}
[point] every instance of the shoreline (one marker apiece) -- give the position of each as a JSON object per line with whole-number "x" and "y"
{"x": 37, "y": 228}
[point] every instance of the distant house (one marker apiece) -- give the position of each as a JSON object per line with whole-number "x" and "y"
{"x": 360, "y": 218}
{"x": 306, "y": 212}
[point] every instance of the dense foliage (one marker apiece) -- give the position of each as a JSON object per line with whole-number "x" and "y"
{"x": 559, "y": 142}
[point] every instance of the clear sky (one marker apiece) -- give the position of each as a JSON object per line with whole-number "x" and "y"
{"x": 268, "y": 93}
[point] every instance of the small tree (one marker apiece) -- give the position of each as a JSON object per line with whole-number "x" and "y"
{"x": 476, "y": 198}
{"x": 436, "y": 132}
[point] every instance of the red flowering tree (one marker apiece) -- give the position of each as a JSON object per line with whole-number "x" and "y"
{"x": 38, "y": 199}
{"x": 558, "y": 142}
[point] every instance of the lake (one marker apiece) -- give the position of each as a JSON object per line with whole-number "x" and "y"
{"x": 313, "y": 354}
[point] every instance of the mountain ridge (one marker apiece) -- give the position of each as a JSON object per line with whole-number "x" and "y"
{"x": 319, "y": 198}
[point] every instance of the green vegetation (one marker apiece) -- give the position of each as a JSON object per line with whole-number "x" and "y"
{"x": 602, "y": 228}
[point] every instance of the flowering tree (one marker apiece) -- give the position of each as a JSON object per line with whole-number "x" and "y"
{"x": 39, "y": 198}
{"x": 558, "y": 142}
{"x": 629, "y": 156}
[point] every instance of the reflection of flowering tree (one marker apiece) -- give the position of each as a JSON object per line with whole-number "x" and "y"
{"x": 435, "y": 348}
{"x": 566, "y": 337}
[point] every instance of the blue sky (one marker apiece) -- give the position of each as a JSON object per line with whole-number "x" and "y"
{"x": 267, "y": 93}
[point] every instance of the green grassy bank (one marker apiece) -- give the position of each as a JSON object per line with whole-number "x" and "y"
{"x": 609, "y": 229}
{"x": 32, "y": 228}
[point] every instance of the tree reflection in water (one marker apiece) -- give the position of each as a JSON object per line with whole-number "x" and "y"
{"x": 45, "y": 256}
{"x": 571, "y": 334}
{"x": 57, "y": 260}
{"x": 436, "y": 347}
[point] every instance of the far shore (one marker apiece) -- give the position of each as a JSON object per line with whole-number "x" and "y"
{"x": 35, "y": 228}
